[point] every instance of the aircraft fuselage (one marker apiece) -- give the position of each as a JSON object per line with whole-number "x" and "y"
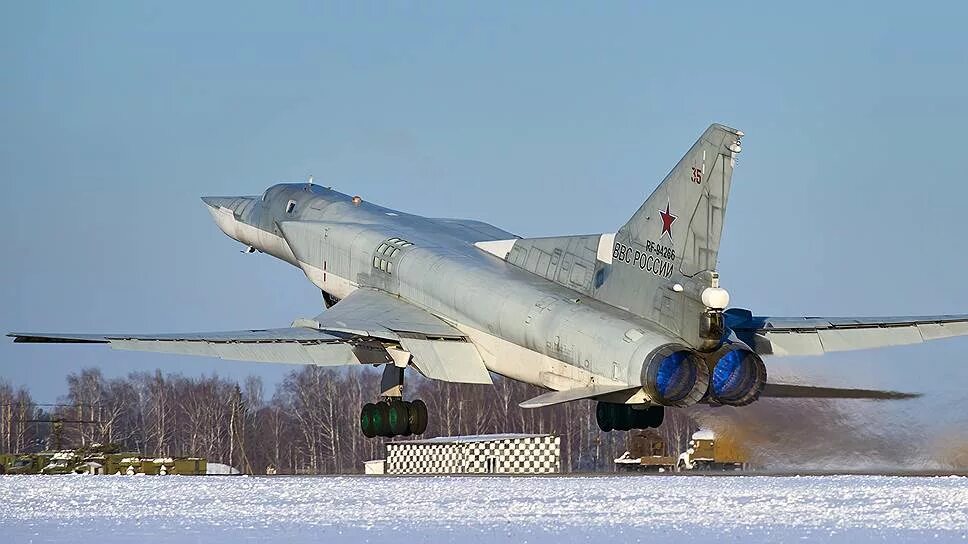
{"x": 525, "y": 327}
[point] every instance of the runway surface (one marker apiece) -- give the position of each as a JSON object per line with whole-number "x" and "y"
{"x": 743, "y": 509}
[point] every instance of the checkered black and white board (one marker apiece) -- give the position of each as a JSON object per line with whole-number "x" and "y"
{"x": 527, "y": 455}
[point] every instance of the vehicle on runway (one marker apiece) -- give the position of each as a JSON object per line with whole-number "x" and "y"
{"x": 707, "y": 451}
{"x": 635, "y": 320}
{"x": 647, "y": 452}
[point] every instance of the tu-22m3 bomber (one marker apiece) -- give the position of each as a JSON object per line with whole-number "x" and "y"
{"x": 635, "y": 320}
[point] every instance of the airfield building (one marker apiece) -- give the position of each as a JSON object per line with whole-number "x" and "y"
{"x": 483, "y": 454}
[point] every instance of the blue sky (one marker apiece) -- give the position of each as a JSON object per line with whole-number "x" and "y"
{"x": 544, "y": 118}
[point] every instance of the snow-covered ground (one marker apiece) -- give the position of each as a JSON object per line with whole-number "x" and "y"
{"x": 474, "y": 509}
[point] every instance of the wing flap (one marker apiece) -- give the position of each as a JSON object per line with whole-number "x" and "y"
{"x": 449, "y": 361}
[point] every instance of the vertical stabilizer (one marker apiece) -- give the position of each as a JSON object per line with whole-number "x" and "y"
{"x": 674, "y": 236}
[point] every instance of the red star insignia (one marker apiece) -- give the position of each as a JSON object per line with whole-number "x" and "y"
{"x": 667, "y": 220}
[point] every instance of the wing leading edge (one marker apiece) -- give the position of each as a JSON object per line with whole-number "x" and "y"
{"x": 296, "y": 345}
{"x": 779, "y": 336}
{"x": 357, "y": 330}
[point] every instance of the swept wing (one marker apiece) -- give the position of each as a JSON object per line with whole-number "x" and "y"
{"x": 356, "y": 330}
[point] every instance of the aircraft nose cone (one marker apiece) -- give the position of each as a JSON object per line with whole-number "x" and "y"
{"x": 217, "y": 201}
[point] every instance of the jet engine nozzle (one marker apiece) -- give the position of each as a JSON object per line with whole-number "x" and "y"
{"x": 672, "y": 375}
{"x": 738, "y": 375}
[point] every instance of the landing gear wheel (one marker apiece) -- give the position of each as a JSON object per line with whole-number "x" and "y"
{"x": 381, "y": 419}
{"x": 656, "y": 414}
{"x": 623, "y": 417}
{"x": 366, "y": 420}
{"x": 417, "y": 416}
{"x": 397, "y": 417}
{"x": 639, "y": 419}
{"x": 603, "y": 413}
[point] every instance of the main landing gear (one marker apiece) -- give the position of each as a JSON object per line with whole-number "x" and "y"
{"x": 393, "y": 416}
{"x": 625, "y": 417}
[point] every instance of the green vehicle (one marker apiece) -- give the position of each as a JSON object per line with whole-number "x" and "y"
{"x": 20, "y": 464}
{"x": 62, "y": 462}
{"x": 100, "y": 459}
{"x": 164, "y": 466}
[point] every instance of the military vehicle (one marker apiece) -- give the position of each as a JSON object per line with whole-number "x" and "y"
{"x": 647, "y": 452}
{"x": 636, "y": 320}
{"x": 21, "y": 463}
{"x": 163, "y": 466}
{"x": 707, "y": 451}
{"x": 99, "y": 459}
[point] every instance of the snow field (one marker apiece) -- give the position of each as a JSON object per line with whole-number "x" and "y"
{"x": 483, "y": 509}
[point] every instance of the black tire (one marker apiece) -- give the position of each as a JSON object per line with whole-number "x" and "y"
{"x": 366, "y": 420}
{"x": 417, "y": 417}
{"x": 381, "y": 419}
{"x": 409, "y": 418}
{"x": 412, "y": 421}
{"x": 398, "y": 417}
{"x": 622, "y": 415}
{"x": 603, "y": 414}
{"x": 656, "y": 416}
{"x": 639, "y": 419}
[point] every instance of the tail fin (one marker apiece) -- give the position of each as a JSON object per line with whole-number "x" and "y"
{"x": 674, "y": 236}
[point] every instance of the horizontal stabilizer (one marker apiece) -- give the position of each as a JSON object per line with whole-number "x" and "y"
{"x": 569, "y": 395}
{"x": 779, "y": 336}
{"x": 790, "y": 391}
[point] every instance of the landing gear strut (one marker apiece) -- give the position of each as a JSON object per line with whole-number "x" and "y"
{"x": 624, "y": 417}
{"x": 393, "y": 416}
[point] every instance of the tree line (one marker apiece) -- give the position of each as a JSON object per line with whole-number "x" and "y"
{"x": 308, "y": 425}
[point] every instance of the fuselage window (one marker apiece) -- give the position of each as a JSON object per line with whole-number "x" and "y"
{"x": 291, "y": 206}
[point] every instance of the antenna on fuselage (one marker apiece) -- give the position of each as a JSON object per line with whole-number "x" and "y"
{"x": 309, "y": 183}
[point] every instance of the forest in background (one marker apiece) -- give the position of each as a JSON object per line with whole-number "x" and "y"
{"x": 308, "y": 425}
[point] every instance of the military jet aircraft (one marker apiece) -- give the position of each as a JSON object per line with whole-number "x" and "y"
{"x": 635, "y": 320}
